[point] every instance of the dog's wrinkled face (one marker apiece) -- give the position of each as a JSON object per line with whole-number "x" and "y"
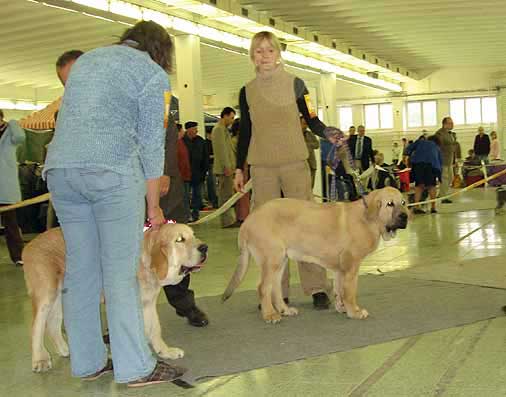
{"x": 175, "y": 253}
{"x": 388, "y": 208}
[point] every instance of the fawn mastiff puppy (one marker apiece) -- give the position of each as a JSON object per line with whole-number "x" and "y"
{"x": 337, "y": 236}
{"x": 168, "y": 255}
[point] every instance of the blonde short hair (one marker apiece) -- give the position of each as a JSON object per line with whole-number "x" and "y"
{"x": 261, "y": 36}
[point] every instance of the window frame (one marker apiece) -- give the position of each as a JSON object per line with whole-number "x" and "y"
{"x": 339, "y": 116}
{"x": 422, "y": 114}
{"x": 465, "y": 99}
{"x": 380, "y": 122}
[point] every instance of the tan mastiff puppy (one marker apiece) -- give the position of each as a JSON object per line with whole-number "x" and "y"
{"x": 337, "y": 236}
{"x": 167, "y": 257}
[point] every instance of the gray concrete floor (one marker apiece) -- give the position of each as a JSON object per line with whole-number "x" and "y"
{"x": 463, "y": 243}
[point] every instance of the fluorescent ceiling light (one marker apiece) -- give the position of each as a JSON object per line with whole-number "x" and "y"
{"x": 236, "y": 21}
{"x": 185, "y": 26}
{"x": 125, "y": 9}
{"x": 203, "y": 9}
{"x": 331, "y": 68}
{"x": 22, "y": 105}
{"x": 98, "y": 17}
{"x": 135, "y": 12}
{"x": 210, "y": 33}
{"x": 98, "y": 4}
{"x": 159, "y": 17}
{"x": 58, "y": 7}
{"x": 8, "y": 105}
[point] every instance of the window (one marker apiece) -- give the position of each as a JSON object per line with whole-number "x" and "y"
{"x": 422, "y": 114}
{"x": 345, "y": 118}
{"x": 473, "y": 110}
{"x": 378, "y": 116}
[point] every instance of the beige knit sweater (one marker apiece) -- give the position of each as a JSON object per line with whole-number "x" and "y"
{"x": 276, "y": 137}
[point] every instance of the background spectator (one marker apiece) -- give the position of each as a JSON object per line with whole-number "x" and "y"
{"x": 224, "y": 162}
{"x": 11, "y": 135}
{"x": 482, "y": 145}
{"x": 199, "y": 162}
{"x": 495, "y": 147}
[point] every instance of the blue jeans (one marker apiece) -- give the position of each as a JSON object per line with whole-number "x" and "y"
{"x": 101, "y": 213}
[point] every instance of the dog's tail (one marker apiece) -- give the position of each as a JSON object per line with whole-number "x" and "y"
{"x": 240, "y": 272}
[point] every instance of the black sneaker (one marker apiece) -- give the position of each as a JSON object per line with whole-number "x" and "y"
{"x": 446, "y": 201}
{"x": 195, "y": 316}
{"x": 321, "y": 301}
{"x": 418, "y": 211}
{"x": 433, "y": 211}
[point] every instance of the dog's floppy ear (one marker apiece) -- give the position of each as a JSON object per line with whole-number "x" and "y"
{"x": 158, "y": 256}
{"x": 373, "y": 208}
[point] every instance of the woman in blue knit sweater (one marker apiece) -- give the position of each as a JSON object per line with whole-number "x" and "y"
{"x": 106, "y": 157}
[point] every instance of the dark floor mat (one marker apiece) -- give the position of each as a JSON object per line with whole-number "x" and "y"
{"x": 238, "y": 340}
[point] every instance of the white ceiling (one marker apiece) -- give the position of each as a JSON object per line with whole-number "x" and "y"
{"x": 417, "y": 34}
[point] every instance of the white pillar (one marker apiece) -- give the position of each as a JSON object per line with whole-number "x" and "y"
{"x": 357, "y": 112}
{"x": 328, "y": 96}
{"x": 189, "y": 80}
{"x": 443, "y": 110}
{"x": 501, "y": 120}
{"x": 328, "y": 89}
{"x": 398, "y": 114}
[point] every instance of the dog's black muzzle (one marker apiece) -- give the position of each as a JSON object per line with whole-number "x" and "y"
{"x": 400, "y": 223}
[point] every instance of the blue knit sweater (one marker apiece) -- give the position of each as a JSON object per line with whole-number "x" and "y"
{"x": 112, "y": 113}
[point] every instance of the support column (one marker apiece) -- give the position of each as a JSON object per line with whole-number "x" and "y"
{"x": 189, "y": 80}
{"x": 501, "y": 120}
{"x": 443, "y": 110}
{"x": 328, "y": 89}
{"x": 328, "y": 95}
{"x": 357, "y": 112}
{"x": 398, "y": 115}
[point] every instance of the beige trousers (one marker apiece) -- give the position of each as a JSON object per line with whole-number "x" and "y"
{"x": 225, "y": 191}
{"x": 447, "y": 178}
{"x": 294, "y": 180}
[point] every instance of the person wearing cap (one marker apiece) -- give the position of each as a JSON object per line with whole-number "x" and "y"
{"x": 199, "y": 163}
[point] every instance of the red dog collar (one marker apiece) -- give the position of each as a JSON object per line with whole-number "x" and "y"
{"x": 148, "y": 225}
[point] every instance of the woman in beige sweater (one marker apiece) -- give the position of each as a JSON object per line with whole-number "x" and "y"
{"x": 271, "y": 142}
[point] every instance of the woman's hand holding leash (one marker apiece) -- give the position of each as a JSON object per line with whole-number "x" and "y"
{"x": 239, "y": 180}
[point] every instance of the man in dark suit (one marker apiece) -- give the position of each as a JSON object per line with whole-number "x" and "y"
{"x": 361, "y": 149}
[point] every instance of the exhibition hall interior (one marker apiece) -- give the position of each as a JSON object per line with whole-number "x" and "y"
{"x": 331, "y": 174}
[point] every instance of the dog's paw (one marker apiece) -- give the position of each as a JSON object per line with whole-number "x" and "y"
{"x": 272, "y": 318}
{"x": 339, "y": 305}
{"x": 290, "y": 311}
{"x": 171, "y": 353}
{"x": 63, "y": 350}
{"x": 40, "y": 366}
{"x": 359, "y": 314}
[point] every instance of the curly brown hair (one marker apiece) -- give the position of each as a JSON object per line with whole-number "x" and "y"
{"x": 153, "y": 39}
